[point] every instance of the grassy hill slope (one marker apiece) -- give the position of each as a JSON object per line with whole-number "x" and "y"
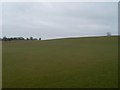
{"x": 90, "y": 62}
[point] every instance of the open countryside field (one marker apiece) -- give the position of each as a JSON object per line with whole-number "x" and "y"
{"x": 0, "y": 64}
{"x": 87, "y": 62}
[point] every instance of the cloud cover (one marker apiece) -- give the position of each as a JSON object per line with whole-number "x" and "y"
{"x": 59, "y": 19}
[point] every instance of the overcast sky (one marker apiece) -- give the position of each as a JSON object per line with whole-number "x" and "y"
{"x": 59, "y": 19}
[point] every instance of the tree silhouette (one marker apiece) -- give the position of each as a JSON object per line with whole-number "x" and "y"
{"x": 4, "y": 38}
{"x": 31, "y": 38}
{"x": 108, "y": 34}
{"x": 39, "y": 38}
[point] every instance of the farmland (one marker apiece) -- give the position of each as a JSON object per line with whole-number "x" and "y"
{"x": 87, "y": 62}
{"x": 0, "y": 64}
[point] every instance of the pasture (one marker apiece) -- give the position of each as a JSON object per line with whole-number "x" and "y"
{"x": 87, "y": 62}
{"x": 0, "y": 64}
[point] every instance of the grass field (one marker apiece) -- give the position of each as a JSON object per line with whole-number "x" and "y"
{"x": 0, "y": 64}
{"x": 90, "y": 62}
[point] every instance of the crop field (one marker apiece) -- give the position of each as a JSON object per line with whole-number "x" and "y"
{"x": 87, "y": 62}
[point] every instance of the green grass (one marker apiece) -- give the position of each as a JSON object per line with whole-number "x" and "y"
{"x": 0, "y": 64}
{"x": 90, "y": 62}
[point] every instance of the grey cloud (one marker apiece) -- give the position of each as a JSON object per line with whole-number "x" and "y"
{"x": 52, "y": 20}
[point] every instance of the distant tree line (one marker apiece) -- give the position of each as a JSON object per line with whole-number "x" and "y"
{"x": 17, "y": 38}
